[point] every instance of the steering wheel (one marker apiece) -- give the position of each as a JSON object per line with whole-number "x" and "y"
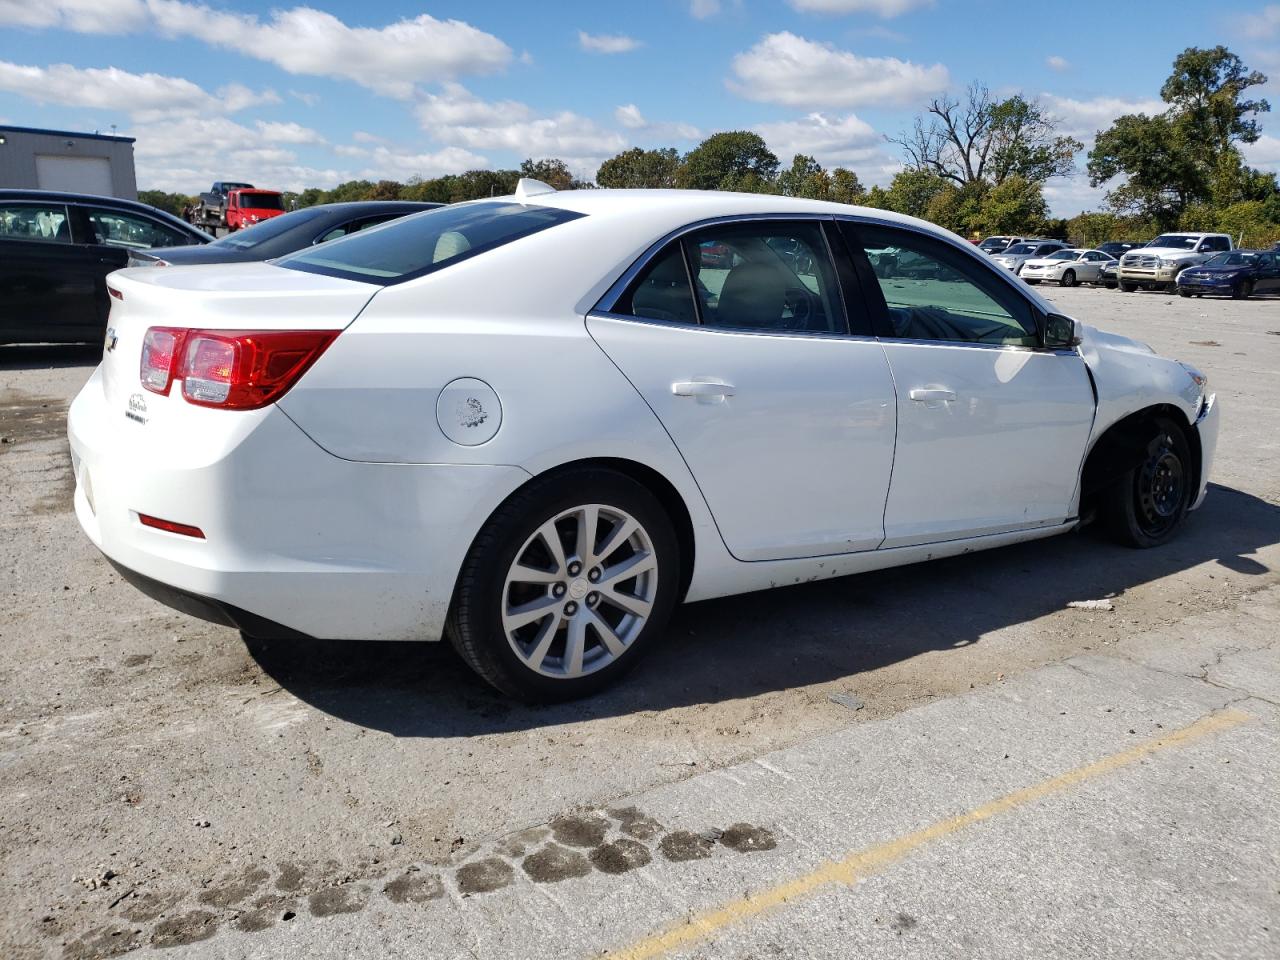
{"x": 801, "y": 304}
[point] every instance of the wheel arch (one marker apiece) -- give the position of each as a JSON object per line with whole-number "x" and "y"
{"x": 1115, "y": 450}
{"x": 649, "y": 478}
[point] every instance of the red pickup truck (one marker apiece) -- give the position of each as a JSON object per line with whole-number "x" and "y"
{"x": 237, "y": 205}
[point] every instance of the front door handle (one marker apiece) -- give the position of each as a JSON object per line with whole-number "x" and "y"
{"x": 932, "y": 394}
{"x": 702, "y": 388}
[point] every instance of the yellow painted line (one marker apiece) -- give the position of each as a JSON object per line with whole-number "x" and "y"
{"x": 867, "y": 862}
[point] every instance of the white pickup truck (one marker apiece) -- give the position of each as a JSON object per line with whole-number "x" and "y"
{"x": 1157, "y": 265}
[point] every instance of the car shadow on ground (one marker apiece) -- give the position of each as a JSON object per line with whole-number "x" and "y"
{"x": 43, "y": 356}
{"x": 743, "y": 646}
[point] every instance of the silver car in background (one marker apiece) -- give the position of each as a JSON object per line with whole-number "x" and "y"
{"x": 1017, "y": 254}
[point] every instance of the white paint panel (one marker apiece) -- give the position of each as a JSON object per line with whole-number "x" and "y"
{"x": 74, "y": 174}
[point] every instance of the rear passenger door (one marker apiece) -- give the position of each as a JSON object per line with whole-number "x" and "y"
{"x": 991, "y": 427}
{"x": 47, "y": 275}
{"x": 784, "y": 414}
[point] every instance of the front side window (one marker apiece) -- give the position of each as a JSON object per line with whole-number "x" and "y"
{"x": 116, "y": 228}
{"x": 35, "y": 221}
{"x": 933, "y": 292}
{"x": 423, "y": 243}
{"x": 765, "y": 275}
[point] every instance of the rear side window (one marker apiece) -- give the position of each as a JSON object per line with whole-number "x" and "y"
{"x": 662, "y": 291}
{"x": 425, "y": 242}
{"x": 35, "y": 221}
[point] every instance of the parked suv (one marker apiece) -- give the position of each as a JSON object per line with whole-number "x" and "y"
{"x": 1157, "y": 265}
{"x": 56, "y": 250}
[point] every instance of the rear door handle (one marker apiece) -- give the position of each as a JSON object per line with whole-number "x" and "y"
{"x": 703, "y": 388}
{"x": 927, "y": 394}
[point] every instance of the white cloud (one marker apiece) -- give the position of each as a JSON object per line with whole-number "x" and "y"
{"x": 1068, "y": 196}
{"x": 630, "y": 117}
{"x": 79, "y": 16}
{"x": 1261, "y": 25}
{"x": 144, "y": 96}
{"x": 790, "y": 70}
{"x": 459, "y": 118}
{"x": 277, "y": 132}
{"x": 363, "y": 136}
{"x": 606, "y": 43}
{"x": 1265, "y": 153}
{"x": 832, "y": 141}
{"x": 388, "y": 163}
{"x": 885, "y": 9}
{"x": 1058, "y": 63}
{"x": 300, "y": 40}
{"x": 310, "y": 99}
{"x": 702, "y": 9}
{"x": 1084, "y": 118}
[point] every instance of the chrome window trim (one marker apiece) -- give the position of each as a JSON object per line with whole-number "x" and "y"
{"x": 604, "y": 306}
{"x": 741, "y": 331}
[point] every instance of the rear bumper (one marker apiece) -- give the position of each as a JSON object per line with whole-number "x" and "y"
{"x": 296, "y": 540}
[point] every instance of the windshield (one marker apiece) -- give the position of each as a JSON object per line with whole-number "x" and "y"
{"x": 1063, "y": 255}
{"x": 250, "y": 237}
{"x": 994, "y": 243}
{"x": 261, "y": 201}
{"x": 426, "y": 242}
{"x": 1018, "y": 249}
{"x": 1178, "y": 241}
{"x": 1233, "y": 259}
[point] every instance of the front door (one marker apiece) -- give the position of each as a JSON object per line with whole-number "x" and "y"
{"x": 991, "y": 428}
{"x": 785, "y": 420}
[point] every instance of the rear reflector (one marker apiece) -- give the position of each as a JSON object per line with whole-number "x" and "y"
{"x": 230, "y": 369}
{"x": 115, "y": 293}
{"x": 168, "y": 525}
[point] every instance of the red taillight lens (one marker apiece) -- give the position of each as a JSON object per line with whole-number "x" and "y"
{"x": 230, "y": 369}
{"x": 160, "y": 349}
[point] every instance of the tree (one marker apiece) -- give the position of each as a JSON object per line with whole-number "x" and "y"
{"x": 1206, "y": 90}
{"x": 1016, "y": 205}
{"x": 552, "y": 172}
{"x": 735, "y": 160}
{"x": 846, "y": 187}
{"x": 804, "y": 174}
{"x": 169, "y": 202}
{"x": 981, "y": 139}
{"x": 640, "y": 168}
{"x": 1190, "y": 153}
{"x": 912, "y": 191}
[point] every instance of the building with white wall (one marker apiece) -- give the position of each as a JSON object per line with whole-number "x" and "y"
{"x": 95, "y": 163}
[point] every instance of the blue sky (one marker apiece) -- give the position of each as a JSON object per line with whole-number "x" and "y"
{"x": 292, "y": 95}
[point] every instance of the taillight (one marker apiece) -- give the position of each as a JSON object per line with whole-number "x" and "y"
{"x": 159, "y": 351}
{"x": 232, "y": 369}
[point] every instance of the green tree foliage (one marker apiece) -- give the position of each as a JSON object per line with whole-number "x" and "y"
{"x": 846, "y": 187}
{"x": 1014, "y": 205}
{"x": 168, "y": 202}
{"x": 552, "y": 172}
{"x": 736, "y": 160}
{"x": 1189, "y": 155}
{"x": 640, "y": 168}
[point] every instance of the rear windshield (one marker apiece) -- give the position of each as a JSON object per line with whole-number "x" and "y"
{"x": 250, "y": 237}
{"x": 413, "y": 246}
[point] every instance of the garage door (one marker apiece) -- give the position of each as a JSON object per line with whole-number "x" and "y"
{"x": 74, "y": 174}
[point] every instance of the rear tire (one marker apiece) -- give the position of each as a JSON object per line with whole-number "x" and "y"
{"x": 1183, "y": 293}
{"x": 532, "y": 604}
{"x": 1068, "y": 279}
{"x": 1147, "y": 505}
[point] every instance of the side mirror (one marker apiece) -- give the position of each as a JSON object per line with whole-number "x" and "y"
{"x": 1061, "y": 332}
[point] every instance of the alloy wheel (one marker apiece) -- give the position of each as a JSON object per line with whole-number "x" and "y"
{"x": 579, "y": 591}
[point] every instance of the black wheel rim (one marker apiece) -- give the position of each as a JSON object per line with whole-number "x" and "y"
{"x": 1161, "y": 482}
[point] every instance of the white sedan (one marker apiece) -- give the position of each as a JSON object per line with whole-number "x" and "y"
{"x": 1067, "y": 267}
{"x": 535, "y": 424}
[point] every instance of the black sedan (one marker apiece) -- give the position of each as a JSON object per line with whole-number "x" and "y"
{"x": 56, "y": 250}
{"x": 284, "y": 234}
{"x": 1236, "y": 273}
